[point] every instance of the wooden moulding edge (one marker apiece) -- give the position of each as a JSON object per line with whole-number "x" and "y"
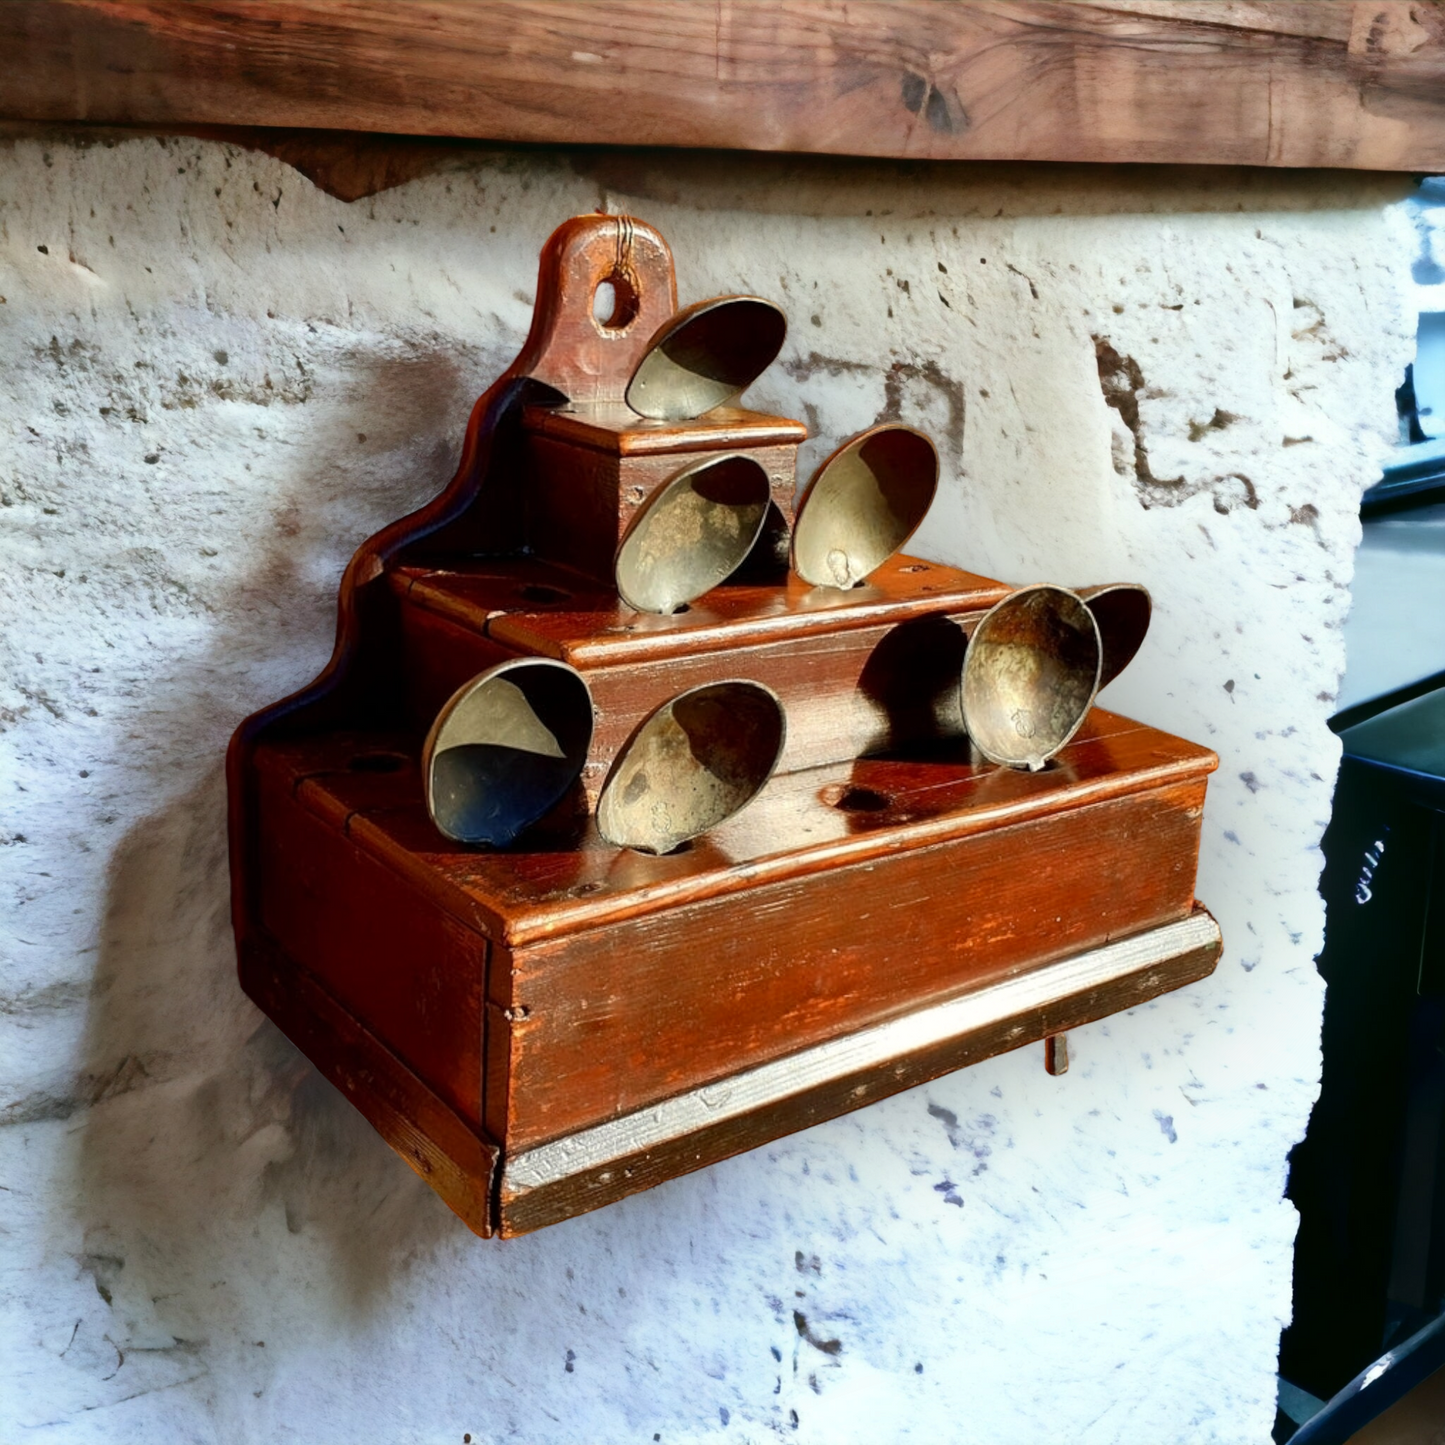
{"x": 447, "y": 1152}
{"x": 596, "y": 1166}
{"x": 747, "y": 429}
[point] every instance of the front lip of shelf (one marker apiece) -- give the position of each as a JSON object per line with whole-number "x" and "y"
{"x": 600, "y": 631}
{"x": 613, "y": 1158}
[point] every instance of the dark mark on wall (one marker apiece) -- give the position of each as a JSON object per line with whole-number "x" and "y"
{"x": 905, "y": 374}
{"x": 1221, "y": 419}
{"x": 950, "y": 1193}
{"x": 828, "y": 1347}
{"x": 803, "y": 368}
{"x": 1121, "y": 381}
{"x": 103, "y": 1270}
{"x": 1033, "y": 290}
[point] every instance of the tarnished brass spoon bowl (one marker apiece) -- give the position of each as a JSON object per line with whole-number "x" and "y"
{"x": 1030, "y": 675}
{"x": 505, "y": 748}
{"x": 694, "y": 763}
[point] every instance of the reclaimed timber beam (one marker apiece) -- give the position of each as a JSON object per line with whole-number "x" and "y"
{"x": 1276, "y": 82}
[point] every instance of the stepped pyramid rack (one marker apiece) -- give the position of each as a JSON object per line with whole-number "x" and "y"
{"x": 547, "y": 1026}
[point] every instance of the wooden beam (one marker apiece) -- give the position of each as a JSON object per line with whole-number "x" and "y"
{"x": 1276, "y": 82}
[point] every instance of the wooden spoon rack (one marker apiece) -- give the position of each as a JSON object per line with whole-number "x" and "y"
{"x": 547, "y": 1027}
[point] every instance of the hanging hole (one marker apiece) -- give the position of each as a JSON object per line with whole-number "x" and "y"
{"x": 857, "y": 800}
{"x": 614, "y": 303}
{"x": 378, "y": 763}
{"x": 539, "y": 592}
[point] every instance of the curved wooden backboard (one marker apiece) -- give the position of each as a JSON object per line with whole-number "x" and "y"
{"x": 569, "y": 354}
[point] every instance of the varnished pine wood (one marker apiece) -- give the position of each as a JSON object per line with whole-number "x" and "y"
{"x": 567, "y": 354}
{"x": 563, "y": 878}
{"x": 807, "y": 1089}
{"x": 618, "y": 979}
{"x": 619, "y": 1018}
{"x": 1274, "y": 82}
{"x": 616, "y": 429}
{"x": 848, "y": 688}
{"x": 533, "y": 608}
{"x": 475, "y": 1002}
{"x": 411, "y": 973}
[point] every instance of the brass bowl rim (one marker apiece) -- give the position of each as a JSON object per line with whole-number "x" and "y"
{"x": 685, "y": 317}
{"x": 1084, "y": 711}
{"x": 856, "y": 441}
{"x": 489, "y": 674}
{"x": 1108, "y": 673}
{"x": 621, "y": 755}
{"x": 709, "y": 459}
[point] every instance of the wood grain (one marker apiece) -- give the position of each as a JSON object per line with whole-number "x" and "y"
{"x": 402, "y": 968}
{"x": 472, "y": 1001}
{"x": 563, "y": 878}
{"x": 620, "y": 1018}
{"x": 848, "y": 687}
{"x": 455, "y": 1159}
{"x": 531, "y": 607}
{"x": 556, "y": 1181}
{"x": 616, "y": 980}
{"x": 1212, "y": 81}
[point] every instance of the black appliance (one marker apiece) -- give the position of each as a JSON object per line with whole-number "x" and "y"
{"x": 1369, "y": 1177}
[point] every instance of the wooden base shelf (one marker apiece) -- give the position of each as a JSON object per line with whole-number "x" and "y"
{"x": 553, "y": 1182}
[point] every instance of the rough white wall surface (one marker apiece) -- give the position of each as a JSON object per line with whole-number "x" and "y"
{"x": 215, "y": 381}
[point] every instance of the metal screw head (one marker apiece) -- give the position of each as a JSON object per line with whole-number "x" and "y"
{"x": 864, "y": 503}
{"x": 691, "y": 765}
{"x": 505, "y": 748}
{"x": 1030, "y": 675}
{"x": 1122, "y": 610}
{"x": 696, "y": 529}
{"x": 706, "y": 356}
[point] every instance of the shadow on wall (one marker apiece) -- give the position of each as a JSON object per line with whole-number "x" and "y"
{"x": 202, "y": 1115}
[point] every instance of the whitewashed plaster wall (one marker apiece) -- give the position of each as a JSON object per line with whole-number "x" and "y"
{"x": 216, "y": 380}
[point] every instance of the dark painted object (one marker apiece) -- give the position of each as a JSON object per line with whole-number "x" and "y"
{"x": 1369, "y": 1176}
{"x": 1381, "y": 1384}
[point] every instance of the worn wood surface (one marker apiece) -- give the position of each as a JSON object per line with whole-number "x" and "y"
{"x": 530, "y": 607}
{"x": 592, "y": 467}
{"x": 619, "y": 979}
{"x": 453, "y": 1157}
{"x": 623, "y": 1017}
{"x": 562, "y": 878}
{"x": 857, "y": 671}
{"x": 616, "y": 429}
{"x": 404, "y": 969}
{"x": 567, "y": 354}
{"x": 534, "y": 994}
{"x": 1273, "y": 82}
